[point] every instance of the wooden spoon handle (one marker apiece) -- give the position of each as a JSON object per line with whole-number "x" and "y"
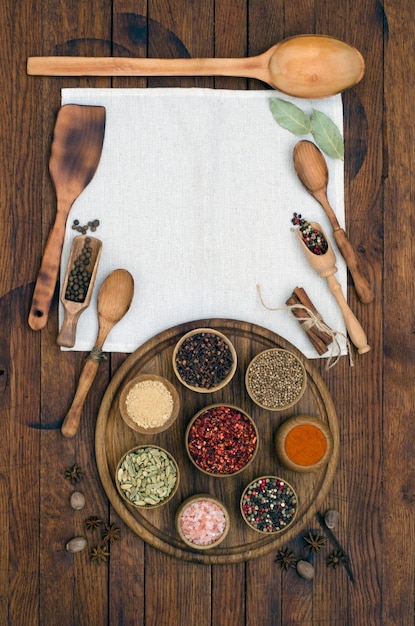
{"x": 363, "y": 289}
{"x": 124, "y": 66}
{"x": 48, "y": 275}
{"x": 355, "y": 330}
{"x": 71, "y": 422}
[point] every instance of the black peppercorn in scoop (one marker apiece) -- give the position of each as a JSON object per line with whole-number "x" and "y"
{"x": 78, "y": 285}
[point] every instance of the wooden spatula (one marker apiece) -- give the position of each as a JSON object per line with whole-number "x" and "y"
{"x": 75, "y": 154}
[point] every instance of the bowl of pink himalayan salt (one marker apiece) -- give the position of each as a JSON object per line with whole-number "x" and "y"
{"x": 202, "y": 521}
{"x": 149, "y": 404}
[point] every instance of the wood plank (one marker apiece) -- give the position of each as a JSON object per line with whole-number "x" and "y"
{"x": 398, "y": 502}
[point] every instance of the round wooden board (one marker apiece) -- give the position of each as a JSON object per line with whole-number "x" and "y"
{"x": 157, "y": 526}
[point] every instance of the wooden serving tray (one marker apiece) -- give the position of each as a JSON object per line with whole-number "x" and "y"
{"x": 157, "y": 527}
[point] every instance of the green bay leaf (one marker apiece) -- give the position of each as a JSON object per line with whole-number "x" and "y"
{"x": 290, "y": 116}
{"x": 327, "y": 135}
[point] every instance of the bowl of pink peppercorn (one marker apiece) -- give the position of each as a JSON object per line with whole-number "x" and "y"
{"x": 202, "y": 521}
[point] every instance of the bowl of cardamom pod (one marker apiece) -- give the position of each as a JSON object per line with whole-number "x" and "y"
{"x": 147, "y": 476}
{"x": 149, "y": 404}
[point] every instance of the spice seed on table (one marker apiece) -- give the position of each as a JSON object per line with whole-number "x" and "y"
{"x": 149, "y": 404}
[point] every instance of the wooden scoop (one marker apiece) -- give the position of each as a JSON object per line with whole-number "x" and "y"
{"x": 306, "y": 66}
{"x": 114, "y": 300}
{"x": 75, "y": 154}
{"x": 73, "y": 309}
{"x": 325, "y": 265}
{"x": 312, "y": 170}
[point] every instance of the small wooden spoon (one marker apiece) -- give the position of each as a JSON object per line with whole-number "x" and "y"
{"x": 72, "y": 309}
{"x": 325, "y": 265}
{"x": 312, "y": 170}
{"x": 114, "y": 300}
{"x": 306, "y": 66}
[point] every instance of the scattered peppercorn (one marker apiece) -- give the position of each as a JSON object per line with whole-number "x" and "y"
{"x": 222, "y": 440}
{"x": 269, "y": 504}
{"x": 204, "y": 360}
{"x": 93, "y": 225}
{"x": 312, "y": 237}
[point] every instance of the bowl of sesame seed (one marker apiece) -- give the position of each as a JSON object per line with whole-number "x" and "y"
{"x": 275, "y": 379}
{"x": 149, "y": 404}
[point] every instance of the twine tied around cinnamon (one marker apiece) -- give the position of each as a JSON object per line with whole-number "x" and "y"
{"x": 313, "y": 323}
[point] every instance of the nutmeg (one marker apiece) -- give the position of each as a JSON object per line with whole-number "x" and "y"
{"x": 305, "y": 569}
{"x": 331, "y": 518}
{"x": 77, "y": 500}
{"x": 76, "y": 544}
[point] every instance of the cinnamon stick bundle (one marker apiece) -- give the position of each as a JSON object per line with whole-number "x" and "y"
{"x": 318, "y": 337}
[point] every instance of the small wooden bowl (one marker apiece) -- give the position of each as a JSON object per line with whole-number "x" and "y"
{"x": 304, "y": 443}
{"x": 144, "y": 501}
{"x": 272, "y": 490}
{"x": 224, "y": 381}
{"x": 196, "y": 500}
{"x": 126, "y": 415}
{"x": 265, "y": 382}
{"x": 72, "y": 309}
{"x": 252, "y": 455}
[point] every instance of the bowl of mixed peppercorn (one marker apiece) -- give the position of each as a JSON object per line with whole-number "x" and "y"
{"x": 204, "y": 360}
{"x": 269, "y": 504}
{"x": 221, "y": 440}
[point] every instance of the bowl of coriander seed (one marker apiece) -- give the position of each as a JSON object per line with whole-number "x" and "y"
{"x": 275, "y": 379}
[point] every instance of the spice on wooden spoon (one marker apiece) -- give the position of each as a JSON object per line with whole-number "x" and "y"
{"x": 114, "y": 300}
{"x": 306, "y": 66}
{"x": 323, "y": 260}
{"x": 312, "y": 170}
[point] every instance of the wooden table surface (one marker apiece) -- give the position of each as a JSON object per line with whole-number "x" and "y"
{"x": 374, "y": 485}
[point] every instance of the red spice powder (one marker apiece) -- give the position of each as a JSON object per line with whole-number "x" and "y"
{"x": 305, "y": 444}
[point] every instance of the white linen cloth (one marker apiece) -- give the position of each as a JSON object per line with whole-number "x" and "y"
{"x": 195, "y": 192}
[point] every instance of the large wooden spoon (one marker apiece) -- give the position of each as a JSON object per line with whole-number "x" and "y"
{"x": 306, "y": 66}
{"x": 75, "y": 154}
{"x": 325, "y": 266}
{"x": 312, "y": 170}
{"x": 114, "y": 300}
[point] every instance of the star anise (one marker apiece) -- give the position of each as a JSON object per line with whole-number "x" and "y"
{"x": 285, "y": 558}
{"x": 99, "y": 554}
{"x": 336, "y": 558}
{"x": 111, "y": 533}
{"x": 314, "y": 542}
{"x": 93, "y": 522}
{"x": 74, "y": 474}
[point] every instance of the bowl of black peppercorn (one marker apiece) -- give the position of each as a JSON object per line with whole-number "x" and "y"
{"x": 204, "y": 360}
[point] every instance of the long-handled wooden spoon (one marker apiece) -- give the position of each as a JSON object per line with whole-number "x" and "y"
{"x": 306, "y": 66}
{"x": 312, "y": 170}
{"x": 325, "y": 265}
{"x": 114, "y": 300}
{"x": 75, "y": 154}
